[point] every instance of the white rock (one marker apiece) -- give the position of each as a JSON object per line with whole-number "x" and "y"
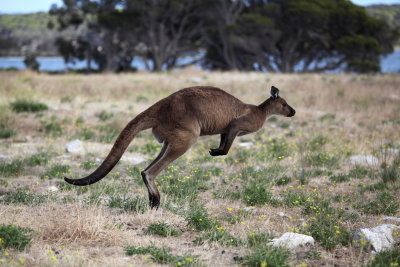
{"x": 52, "y": 188}
{"x": 246, "y": 144}
{"x": 4, "y": 156}
{"x": 363, "y": 160}
{"x": 380, "y": 237}
{"x": 250, "y": 210}
{"x": 292, "y": 241}
{"x": 75, "y": 147}
{"x": 195, "y": 80}
{"x": 132, "y": 159}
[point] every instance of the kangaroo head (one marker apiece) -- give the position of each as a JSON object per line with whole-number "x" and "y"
{"x": 279, "y": 105}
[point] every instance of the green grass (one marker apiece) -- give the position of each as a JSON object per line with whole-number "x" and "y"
{"x": 339, "y": 178}
{"x": 21, "y": 197}
{"x": 23, "y": 105}
{"x": 162, "y": 229}
{"x": 136, "y": 204}
{"x": 197, "y": 217}
{"x": 11, "y": 169}
{"x": 6, "y": 132}
{"x": 256, "y": 240}
{"x": 220, "y": 235}
{"x": 162, "y": 255}
{"x": 104, "y": 115}
{"x": 386, "y": 258}
{"x": 55, "y": 171}
{"x": 14, "y": 237}
{"x": 267, "y": 256}
{"x": 38, "y": 159}
{"x": 323, "y": 159}
{"x": 52, "y": 127}
{"x": 254, "y": 194}
{"x": 384, "y": 203}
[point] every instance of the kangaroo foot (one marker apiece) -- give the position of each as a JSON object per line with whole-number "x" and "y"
{"x": 154, "y": 201}
{"x": 216, "y": 152}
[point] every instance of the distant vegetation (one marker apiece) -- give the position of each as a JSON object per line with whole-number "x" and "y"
{"x": 285, "y": 36}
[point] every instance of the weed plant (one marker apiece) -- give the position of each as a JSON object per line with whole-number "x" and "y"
{"x": 136, "y": 204}
{"x": 24, "y": 198}
{"x": 267, "y": 256}
{"x": 56, "y": 171}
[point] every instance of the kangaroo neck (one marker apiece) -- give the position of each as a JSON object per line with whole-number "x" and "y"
{"x": 266, "y": 107}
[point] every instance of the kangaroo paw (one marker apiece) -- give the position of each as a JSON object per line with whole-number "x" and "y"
{"x": 154, "y": 201}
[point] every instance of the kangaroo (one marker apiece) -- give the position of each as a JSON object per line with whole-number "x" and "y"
{"x": 179, "y": 119}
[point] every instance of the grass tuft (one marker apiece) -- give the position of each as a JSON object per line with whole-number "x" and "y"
{"x": 162, "y": 229}
{"x": 14, "y": 237}
{"x": 23, "y": 105}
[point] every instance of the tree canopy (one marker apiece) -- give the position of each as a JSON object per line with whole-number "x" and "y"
{"x": 261, "y": 35}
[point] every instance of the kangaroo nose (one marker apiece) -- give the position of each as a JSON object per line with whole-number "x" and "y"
{"x": 292, "y": 113}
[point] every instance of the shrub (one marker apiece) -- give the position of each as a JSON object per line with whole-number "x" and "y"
{"x": 22, "y": 105}
{"x": 219, "y": 235}
{"x": 259, "y": 240}
{"x": 38, "y": 159}
{"x": 384, "y": 203}
{"x": 14, "y": 237}
{"x": 6, "y": 132}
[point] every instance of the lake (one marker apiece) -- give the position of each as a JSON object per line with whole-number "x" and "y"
{"x": 389, "y": 64}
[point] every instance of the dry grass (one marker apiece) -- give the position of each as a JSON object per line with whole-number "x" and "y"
{"x": 355, "y": 114}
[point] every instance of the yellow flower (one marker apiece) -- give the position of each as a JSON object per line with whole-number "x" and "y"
{"x": 188, "y": 259}
{"x": 263, "y": 264}
{"x": 21, "y": 260}
{"x": 54, "y": 258}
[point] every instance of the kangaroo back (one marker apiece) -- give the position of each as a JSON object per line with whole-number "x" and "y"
{"x": 141, "y": 122}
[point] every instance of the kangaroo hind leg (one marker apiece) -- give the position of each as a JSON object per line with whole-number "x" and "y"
{"x": 173, "y": 150}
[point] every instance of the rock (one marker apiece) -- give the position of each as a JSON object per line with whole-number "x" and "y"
{"x": 293, "y": 241}
{"x": 379, "y": 238}
{"x": 132, "y": 159}
{"x": 250, "y": 210}
{"x": 75, "y": 147}
{"x": 246, "y": 144}
{"x": 195, "y": 80}
{"x": 4, "y": 156}
{"x": 52, "y": 188}
{"x": 363, "y": 160}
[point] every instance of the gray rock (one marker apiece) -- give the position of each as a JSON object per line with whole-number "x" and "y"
{"x": 390, "y": 218}
{"x": 379, "y": 238}
{"x": 246, "y": 145}
{"x": 52, "y": 189}
{"x": 292, "y": 240}
{"x": 75, "y": 147}
{"x": 363, "y": 160}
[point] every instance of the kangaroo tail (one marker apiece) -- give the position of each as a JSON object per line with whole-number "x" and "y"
{"x": 139, "y": 123}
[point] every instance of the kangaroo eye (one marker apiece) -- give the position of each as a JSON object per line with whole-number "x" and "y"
{"x": 284, "y": 105}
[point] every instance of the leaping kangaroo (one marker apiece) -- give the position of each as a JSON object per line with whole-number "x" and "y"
{"x": 179, "y": 119}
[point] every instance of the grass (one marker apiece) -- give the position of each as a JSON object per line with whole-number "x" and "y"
{"x": 14, "y": 237}
{"x": 11, "y": 169}
{"x": 162, "y": 229}
{"x": 23, "y": 105}
{"x": 162, "y": 255}
{"x": 385, "y": 258}
{"x": 294, "y": 177}
{"x": 22, "y": 197}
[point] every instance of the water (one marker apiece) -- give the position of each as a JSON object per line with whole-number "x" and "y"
{"x": 389, "y": 64}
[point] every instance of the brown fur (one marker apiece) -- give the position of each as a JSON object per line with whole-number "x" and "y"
{"x": 179, "y": 119}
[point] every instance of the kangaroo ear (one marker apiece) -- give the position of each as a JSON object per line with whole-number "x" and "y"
{"x": 274, "y": 92}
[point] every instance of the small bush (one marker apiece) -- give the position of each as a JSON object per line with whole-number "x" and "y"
{"x": 323, "y": 159}
{"x": 162, "y": 229}
{"x": 89, "y": 164}
{"x": 14, "y": 237}
{"x": 358, "y": 172}
{"x": 27, "y": 106}
{"x": 254, "y": 194}
{"x": 283, "y": 181}
{"x": 14, "y": 168}
{"x": 267, "y": 256}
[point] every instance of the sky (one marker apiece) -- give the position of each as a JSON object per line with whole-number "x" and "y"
{"x": 27, "y": 6}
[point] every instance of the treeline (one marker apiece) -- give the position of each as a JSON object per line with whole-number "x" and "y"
{"x": 273, "y": 35}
